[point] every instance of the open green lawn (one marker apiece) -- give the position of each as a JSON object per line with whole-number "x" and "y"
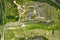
{"x": 31, "y": 30}
{"x": 16, "y": 34}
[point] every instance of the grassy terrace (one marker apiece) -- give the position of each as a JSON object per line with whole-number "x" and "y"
{"x": 32, "y": 29}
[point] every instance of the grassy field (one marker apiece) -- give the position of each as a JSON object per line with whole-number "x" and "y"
{"x": 32, "y": 29}
{"x": 18, "y": 33}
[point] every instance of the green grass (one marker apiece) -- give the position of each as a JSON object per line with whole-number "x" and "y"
{"x": 30, "y": 30}
{"x": 49, "y": 26}
{"x": 27, "y": 32}
{"x": 9, "y": 35}
{"x": 11, "y": 9}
